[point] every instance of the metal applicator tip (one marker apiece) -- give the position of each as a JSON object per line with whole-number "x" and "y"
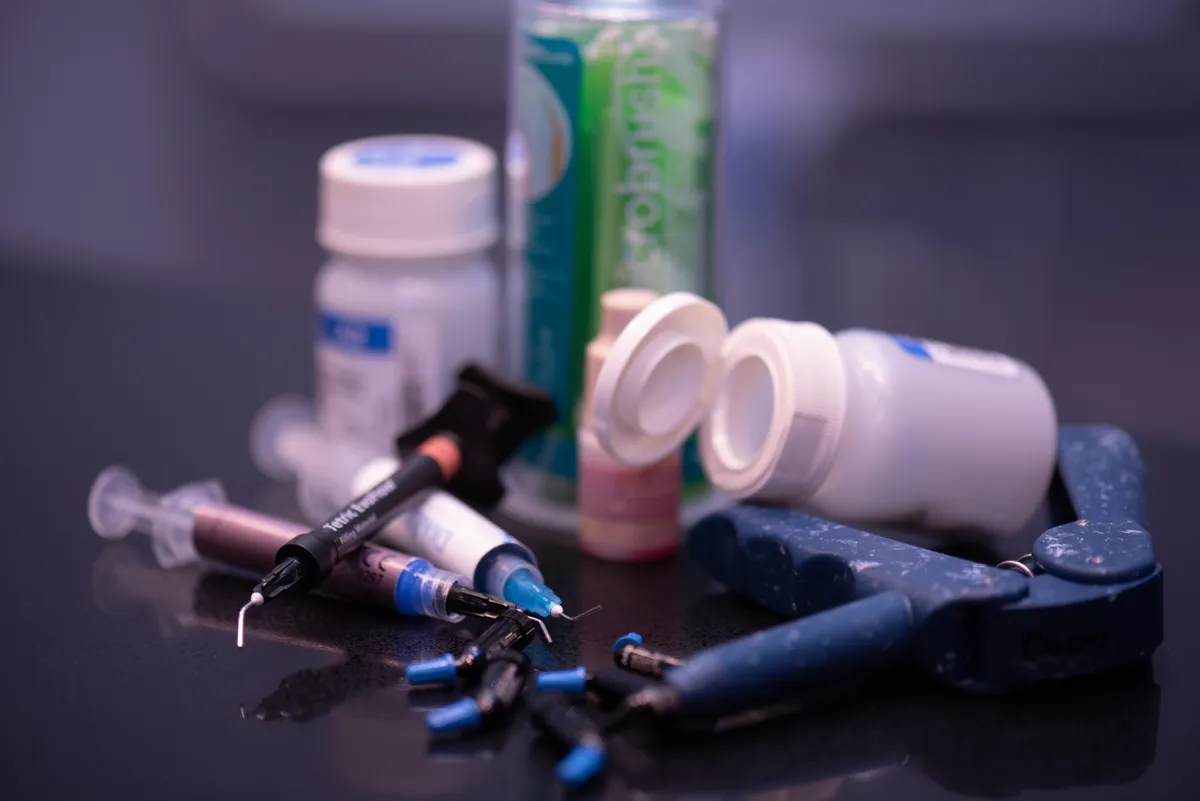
{"x": 256, "y": 599}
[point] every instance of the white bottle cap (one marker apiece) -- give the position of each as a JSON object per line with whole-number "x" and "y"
{"x": 771, "y": 397}
{"x": 408, "y": 197}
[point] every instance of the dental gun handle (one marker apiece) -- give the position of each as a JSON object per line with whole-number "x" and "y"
{"x": 773, "y": 666}
{"x": 1103, "y": 473}
{"x": 796, "y": 564}
{"x": 1108, "y": 543}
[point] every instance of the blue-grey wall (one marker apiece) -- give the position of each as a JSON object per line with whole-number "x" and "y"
{"x": 965, "y": 173}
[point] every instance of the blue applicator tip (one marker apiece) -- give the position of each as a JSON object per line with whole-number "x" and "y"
{"x": 460, "y": 716}
{"x": 580, "y": 765}
{"x": 563, "y": 681}
{"x": 632, "y": 638}
{"x": 432, "y": 671}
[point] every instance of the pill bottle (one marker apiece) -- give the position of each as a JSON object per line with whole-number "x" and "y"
{"x": 409, "y": 293}
{"x": 626, "y": 513}
{"x": 860, "y": 426}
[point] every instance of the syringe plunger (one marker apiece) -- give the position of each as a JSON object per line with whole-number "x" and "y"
{"x": 119, "y": 504}
{"x": 287, "y": 444}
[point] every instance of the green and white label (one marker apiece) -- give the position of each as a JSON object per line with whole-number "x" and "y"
{"x": 617, "y": 122}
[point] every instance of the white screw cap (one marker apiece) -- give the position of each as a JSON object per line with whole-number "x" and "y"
{"x": 659, "y": 378}
{"x": 408, "y": 197}
{"x": 776, "y": 420}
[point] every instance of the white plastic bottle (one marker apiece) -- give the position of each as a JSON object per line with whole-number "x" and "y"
{"x": 626, "y": 513}
{"x": 861, "y": 426}
{"x": 409, "y": 293}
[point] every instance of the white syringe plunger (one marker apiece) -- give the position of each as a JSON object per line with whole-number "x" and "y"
{"x": 284, "y": 438}
{"x": 119, "y": 504}
{"x": 287, "y": 444}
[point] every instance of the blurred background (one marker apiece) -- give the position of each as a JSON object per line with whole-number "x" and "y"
{"x": 1022, "y": 175}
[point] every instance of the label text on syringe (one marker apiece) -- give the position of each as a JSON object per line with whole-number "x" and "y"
{"x": 353, "y": 513}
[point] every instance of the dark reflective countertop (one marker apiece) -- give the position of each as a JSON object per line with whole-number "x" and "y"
{"x": 123, "y": 680}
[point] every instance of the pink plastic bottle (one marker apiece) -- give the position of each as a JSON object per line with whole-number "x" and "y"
{"x": 626, "y": 514}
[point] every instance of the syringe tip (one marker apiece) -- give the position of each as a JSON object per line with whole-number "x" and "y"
{"x": 462, "y": 715}
{"x": 580, "y": 765}
{"x": 256, "y": 599}
{"x": 557, "y": 611}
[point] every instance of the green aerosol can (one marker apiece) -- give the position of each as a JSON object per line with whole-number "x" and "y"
{"x": 612, "y": 165}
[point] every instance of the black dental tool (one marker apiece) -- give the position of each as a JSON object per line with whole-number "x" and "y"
{"x": 460, "y": 447}
{"x": 512, "y": 631}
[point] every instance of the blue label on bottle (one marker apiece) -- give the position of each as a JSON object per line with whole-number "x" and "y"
{"x": 914, "y": 346}
{"x": 405, "y": 154}
{"x": 355, "y": 335}
{"x": 957, "y": 356}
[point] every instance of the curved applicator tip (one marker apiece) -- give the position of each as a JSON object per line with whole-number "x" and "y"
{"x": 256, "y": 599}
{"x": 560, "y": 613}
{"x": 580, "y": 765}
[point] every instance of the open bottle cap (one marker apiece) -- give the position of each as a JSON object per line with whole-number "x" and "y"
{"x": 769, "y": 398}
{"x": 659, "y": 379}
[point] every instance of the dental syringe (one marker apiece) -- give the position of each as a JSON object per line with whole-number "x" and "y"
{"x": 195, "y": 522}
{"x": 286, "y": 443}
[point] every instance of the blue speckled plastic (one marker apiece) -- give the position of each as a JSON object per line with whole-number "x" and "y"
{"x": 1109, "y": 543}
{"x": 769, "y": 666}
{"x": 441, "y": 670}
{"x": 869, "y": 599}
{"x": 579, "y": 766}
{"x": 563, "y": 681}
{"x": 462, "y": 715}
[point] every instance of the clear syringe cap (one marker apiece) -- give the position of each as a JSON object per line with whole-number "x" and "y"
{"x": 119, "y": 504}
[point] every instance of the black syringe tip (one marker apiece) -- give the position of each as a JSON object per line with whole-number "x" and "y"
{"x": 466, "y": 601}
{"x": 286, "y": 574}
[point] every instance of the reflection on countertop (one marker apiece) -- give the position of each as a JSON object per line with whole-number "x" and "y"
{"x": 1099, "y": 731}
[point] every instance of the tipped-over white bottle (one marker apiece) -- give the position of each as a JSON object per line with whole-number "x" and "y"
{"x": 860, "y": 426}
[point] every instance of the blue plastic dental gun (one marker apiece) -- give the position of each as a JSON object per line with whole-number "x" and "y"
{"x": 1089, "y": 598}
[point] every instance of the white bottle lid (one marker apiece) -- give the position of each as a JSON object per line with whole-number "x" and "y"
{"x": 770, "y": 397}
{"x": 408, "y": 197}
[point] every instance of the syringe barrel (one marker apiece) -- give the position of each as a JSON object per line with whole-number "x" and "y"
{"x": 237, "y": 537}
{"x": 247, "y": 540}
